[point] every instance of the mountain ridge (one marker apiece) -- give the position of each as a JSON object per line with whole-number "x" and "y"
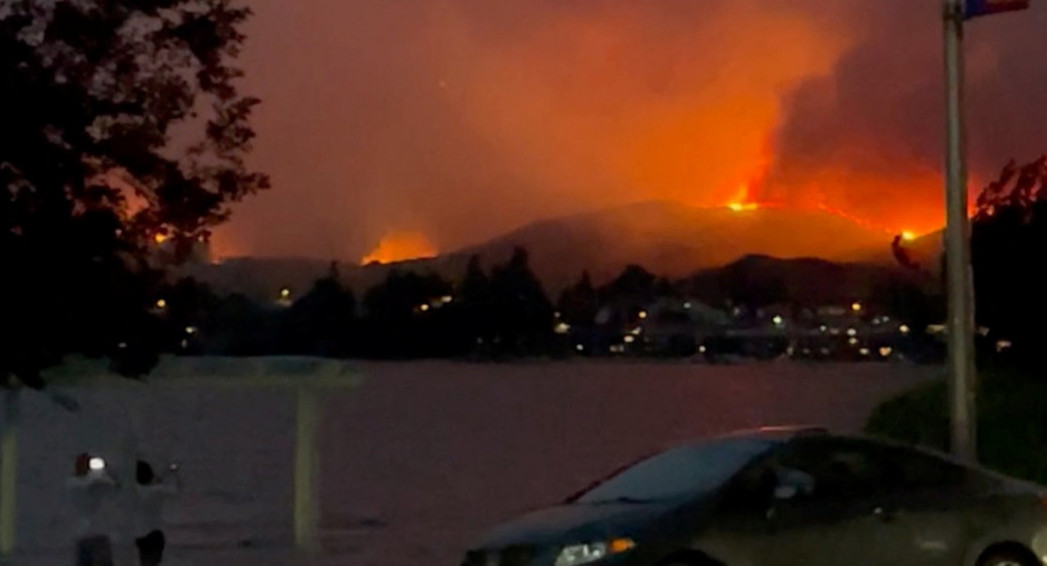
{"x": 666, "y": 238}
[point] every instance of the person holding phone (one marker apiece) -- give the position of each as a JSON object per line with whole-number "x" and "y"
{"x": 92, "y": 490}
{"x": 153, "y": 492}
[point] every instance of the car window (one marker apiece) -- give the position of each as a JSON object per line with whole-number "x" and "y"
{"x": 678, "y": 472}
{"x": 837, "y": 469}
{"x": 916, "y": 470}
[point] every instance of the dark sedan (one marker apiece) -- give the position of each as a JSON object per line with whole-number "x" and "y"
{"x": 784, "y": 497}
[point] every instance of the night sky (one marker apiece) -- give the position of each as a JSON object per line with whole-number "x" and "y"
{"x": 456, "y": 120}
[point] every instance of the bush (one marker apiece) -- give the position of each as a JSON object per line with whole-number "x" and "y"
{"x": 1012, "y": 422}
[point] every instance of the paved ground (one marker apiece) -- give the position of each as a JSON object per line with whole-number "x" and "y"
{"x": 427, "y": 455}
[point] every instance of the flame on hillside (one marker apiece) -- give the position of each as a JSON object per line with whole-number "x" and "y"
{"x": 401, "y": 246}
{"x": 743, "y": 200}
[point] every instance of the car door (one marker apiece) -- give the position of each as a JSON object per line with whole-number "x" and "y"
{"x": 923, "y": 521}
{"x": 837, "y": 519}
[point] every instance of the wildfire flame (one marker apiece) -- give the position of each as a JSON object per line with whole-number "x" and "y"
{"x": 401, "y": 246}
{"x": 742, "y": 200}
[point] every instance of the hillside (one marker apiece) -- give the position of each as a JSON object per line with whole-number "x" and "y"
{"x": 667, "y": 238}
{"x": 677, "y": 240}
{"x": 807, "y": 281}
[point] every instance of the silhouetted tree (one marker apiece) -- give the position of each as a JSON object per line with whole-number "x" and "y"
{"x": 91, "y": 93}
{"x": 473, "y": 305}
{"x": 579, "y": 303}
{"x": 321, "y": 322}
{"x": 240, "y": 327}
{"x": 634, "y": 285}
{"x": 523, "y": 314}
{"x": 663, "y": 287}
{"x": 1009, "y": 237}
{"x": 406, "y": 317}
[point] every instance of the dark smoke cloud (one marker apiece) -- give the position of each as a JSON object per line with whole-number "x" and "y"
{"x": 868, "y": 137}
{"x": 461, "y": 119}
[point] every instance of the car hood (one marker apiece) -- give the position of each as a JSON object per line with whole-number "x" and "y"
{"x": 584, "y": 522}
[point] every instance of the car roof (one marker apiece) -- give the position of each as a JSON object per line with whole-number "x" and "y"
{"x": 779, "y": 433}
{"x": 787, "y": 433}
{"x": 768, "y": 435}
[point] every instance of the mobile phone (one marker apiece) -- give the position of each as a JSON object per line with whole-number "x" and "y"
{"x": 97, "y": 464}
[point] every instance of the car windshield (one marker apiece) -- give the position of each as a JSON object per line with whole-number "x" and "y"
{"x": 677, "y": 472}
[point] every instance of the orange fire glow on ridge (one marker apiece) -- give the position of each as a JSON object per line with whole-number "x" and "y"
{"x": 743, "y": 200}
{"x": 401, "y": 246}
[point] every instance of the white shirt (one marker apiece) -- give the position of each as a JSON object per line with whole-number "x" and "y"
{"x": 150, "y": 508}
{"x": 91, "y": 496}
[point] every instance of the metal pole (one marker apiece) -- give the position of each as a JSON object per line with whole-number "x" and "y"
{"x": 959, "y": 283}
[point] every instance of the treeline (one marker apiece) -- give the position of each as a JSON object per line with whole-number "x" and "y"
{"x": 1008, "y": 243}
{"x": 499, "y": 313}
{"x": 504, "y": 312}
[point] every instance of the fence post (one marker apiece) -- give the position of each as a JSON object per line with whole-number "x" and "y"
{"x": 306, "y": 477}
{"x": 9, "y": 473}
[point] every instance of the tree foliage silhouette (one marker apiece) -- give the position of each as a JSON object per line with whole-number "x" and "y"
{"x": 1009, "y": 236}
{"x": 579, "y": 303}
{"x": 475, "y": 323}
{"x": 405, "y": 316}
{"x": 523, "y": 314}
{"x": 122, "y": 128}
{"x": 321, "y": 323}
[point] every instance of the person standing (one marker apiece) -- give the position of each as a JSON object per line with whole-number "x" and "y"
{"x": 153, "y": 492}
{"x": 92, "y": 490}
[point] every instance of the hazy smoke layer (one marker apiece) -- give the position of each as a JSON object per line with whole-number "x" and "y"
{"x": 460, "y": 119}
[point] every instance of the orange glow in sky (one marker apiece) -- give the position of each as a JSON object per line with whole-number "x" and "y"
{"x": 476, "y": 118}
{"x": 401, "y": 246}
